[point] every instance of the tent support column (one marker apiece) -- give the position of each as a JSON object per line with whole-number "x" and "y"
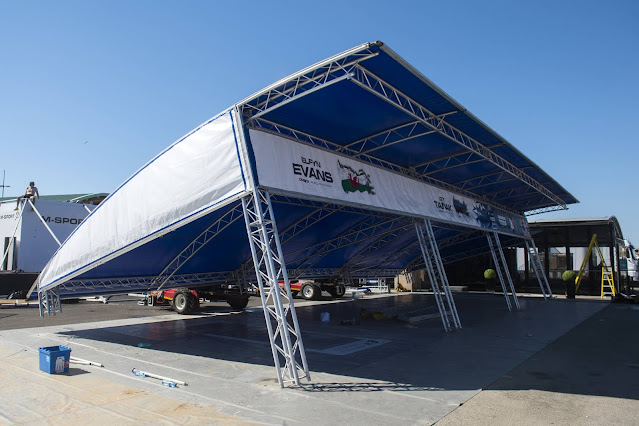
{"x": 49, "y": 300}
{"x": 502, "y": 268}
{"x": 539, "y": 270}
{"x": 285, "y": 338}
{"x": 437, "y": 275}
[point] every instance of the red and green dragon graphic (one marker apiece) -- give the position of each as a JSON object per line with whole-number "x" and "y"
{"x": 352, "y": 180}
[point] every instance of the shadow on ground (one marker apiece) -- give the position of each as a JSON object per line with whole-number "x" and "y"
{"x": 388, "y": 354}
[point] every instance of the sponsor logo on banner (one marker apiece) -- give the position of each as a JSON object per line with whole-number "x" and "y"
{"x": 484, "y": 216}
{"x": 354, "y": 181}
{"x": 310, "y": 171}
{"x": 460, "y": 207}
{"x": 442, "y": 204}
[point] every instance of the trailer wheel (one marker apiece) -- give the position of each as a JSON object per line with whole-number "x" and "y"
{"x": 183, "y": 302}
{"x": 310, "y": 292}
{"x": 340, "y": 290}
{"x": 237, "y": 301}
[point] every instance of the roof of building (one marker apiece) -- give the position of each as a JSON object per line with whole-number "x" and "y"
{"x": 91, "y": 198}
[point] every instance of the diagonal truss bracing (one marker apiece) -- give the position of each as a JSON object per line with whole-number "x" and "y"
{"x": 303, "y": 83}
{"x": 198, "y": 243}
{"x": 371, "y": 227}
{"x": 281, "y": 320}
{"x": 370, "y": 82}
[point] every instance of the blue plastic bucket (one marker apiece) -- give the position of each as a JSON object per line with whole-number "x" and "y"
{"x": 55, "y": 359}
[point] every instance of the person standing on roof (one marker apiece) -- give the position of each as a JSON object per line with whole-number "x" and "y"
{"x": 29, "y": 193}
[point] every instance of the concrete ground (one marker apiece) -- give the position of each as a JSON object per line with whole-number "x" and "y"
{"x": 551, "y": 362}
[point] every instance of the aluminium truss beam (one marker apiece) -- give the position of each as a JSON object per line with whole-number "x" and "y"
{"x": 49, "y": 301}
{"x": 375, "y": 85}
{"x": 365, "y": 230}
{"x": 125, "y": 284}
{"x": 281, "y": 320}
{"x": 393, "y": 136}
{"x": 198, "y": 243}
{"x": 364, "y": 254}
{"x": 337, "y": 272}
{"x": 302, "y": 84}
{"x": 320, "y": 213}
{"x": 543, "y": 210}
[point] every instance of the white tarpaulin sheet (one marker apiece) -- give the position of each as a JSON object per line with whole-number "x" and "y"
{"x": 195, "y": 175}
{"x": 298, "y": 168}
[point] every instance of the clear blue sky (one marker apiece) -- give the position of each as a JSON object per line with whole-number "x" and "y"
{"x": 90, "y": 91}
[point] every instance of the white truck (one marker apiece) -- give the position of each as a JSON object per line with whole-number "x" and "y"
{"x": 628, "y": 259}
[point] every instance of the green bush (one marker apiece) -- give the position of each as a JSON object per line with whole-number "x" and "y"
{"x": 568, "y": 276}
{"x": 490, "y": 274}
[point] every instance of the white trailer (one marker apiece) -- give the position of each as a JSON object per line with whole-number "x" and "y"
{"x": 33, "y": 233}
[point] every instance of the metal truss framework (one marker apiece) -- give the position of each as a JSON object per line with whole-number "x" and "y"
{"x": 198, "y": 243}
{"x": 531, "y": 248}
{"x": 367, "y": 229}
{"x": 79, "y": 287}
{"x": 437, "y": 275}
{"x": 347, "y": 66}
{"x": 303, "y": 83}
{"x": 270, "y": 269}
{"x": 377, "y": 86}
{"x": 337, "y": 272}
{"x": 49, "y": 301}
{"x": 501, "y": 267}
{"x": 543, "y": 210}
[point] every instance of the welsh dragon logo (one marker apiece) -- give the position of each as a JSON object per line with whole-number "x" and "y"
{"x": 353, "y": 181}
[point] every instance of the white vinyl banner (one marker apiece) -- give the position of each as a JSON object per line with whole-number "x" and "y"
{"x": 197, "y": 174}
{"x": 298, "y": 168}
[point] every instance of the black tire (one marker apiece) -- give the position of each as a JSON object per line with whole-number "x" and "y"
{"x": 311, "y": 292}
{"x": 294, "y": 293}
{"x": 336, "y": 291}
{"x": 237, "y": 301}
{"x": 184, "y": 302}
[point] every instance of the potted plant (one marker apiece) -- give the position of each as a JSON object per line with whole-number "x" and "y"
{"x": 490, "y": 275}
{"x": 569, "y": 278}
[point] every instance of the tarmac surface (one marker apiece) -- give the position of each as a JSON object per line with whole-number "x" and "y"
{"x": 553, "y": 362}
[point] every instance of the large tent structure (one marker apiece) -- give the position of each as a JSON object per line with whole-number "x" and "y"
{"x": 355, "y": 166}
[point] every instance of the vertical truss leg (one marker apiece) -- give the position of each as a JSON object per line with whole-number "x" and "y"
{"x": 502, "y": 268}
{"x": 443, "y": 276}
{"x": 285, "y": 338}
{"x": 49, "y": 300}
{"x": 437, "y": 275}
{"x": 539, "y": 269}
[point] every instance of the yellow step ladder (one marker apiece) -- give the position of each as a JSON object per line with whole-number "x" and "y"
{"x": 607, "y": 279}
{"x": 607, "y": 282}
